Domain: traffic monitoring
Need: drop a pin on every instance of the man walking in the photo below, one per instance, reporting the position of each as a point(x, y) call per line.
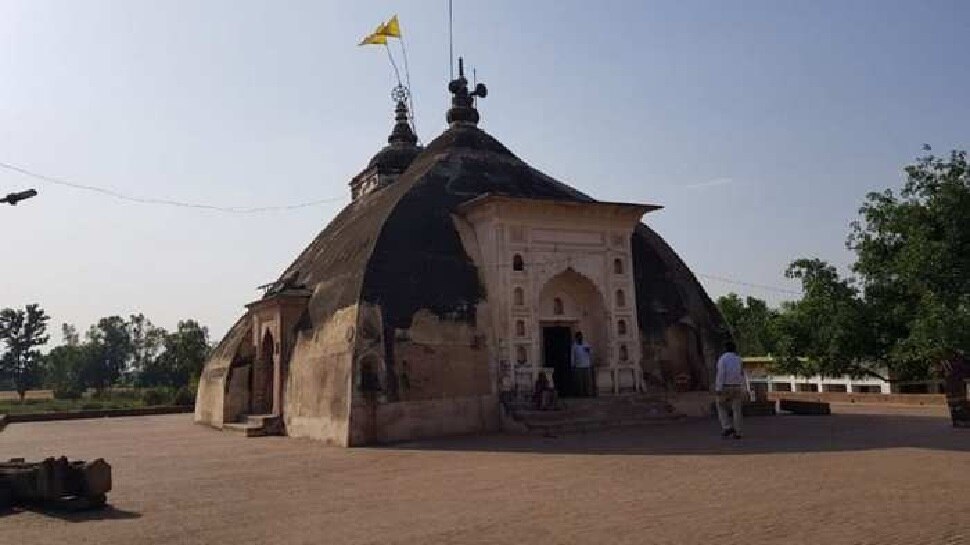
point(731, 387)
point(582, 359)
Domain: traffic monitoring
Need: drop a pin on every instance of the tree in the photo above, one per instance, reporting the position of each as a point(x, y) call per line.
point(146, 342)
point(110, 351)
point(64, 365)
point(751, 322)
point(826, 332)
point(71, 337)
point(185, 351)
point(21, 332)
point(913, 258)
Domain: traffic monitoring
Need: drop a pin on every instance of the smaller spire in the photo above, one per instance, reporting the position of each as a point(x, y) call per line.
point(402, 134)
point(463, 102)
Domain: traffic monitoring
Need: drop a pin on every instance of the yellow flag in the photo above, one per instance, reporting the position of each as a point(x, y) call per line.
point(377, 37)
point(392, 29)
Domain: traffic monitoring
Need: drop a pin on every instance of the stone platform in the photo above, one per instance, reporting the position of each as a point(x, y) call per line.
point(585, 415)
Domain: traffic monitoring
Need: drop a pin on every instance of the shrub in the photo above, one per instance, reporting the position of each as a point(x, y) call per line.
point(119, 394)
point(156, 396)
point(183, 397)
point(67, 391)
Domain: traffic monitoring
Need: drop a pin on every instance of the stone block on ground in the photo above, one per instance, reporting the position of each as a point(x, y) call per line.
point(759, 408)
point(805, 407)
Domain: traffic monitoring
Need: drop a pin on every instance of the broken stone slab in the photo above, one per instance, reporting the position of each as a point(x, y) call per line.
point(805, 407)
point(55, 483)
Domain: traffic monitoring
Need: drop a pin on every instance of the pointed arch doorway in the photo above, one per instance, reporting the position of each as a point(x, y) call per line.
point(569, 302)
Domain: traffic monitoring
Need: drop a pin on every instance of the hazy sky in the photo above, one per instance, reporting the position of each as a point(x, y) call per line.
point(760, 125)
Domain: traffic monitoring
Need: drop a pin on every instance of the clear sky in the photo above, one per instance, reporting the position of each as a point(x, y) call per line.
point(760, 125)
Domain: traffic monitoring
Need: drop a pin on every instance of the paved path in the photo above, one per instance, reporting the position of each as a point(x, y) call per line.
point(890, 476)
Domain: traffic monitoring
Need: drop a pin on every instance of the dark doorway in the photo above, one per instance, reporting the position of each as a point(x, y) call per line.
point(261, 393)
point(556, 343)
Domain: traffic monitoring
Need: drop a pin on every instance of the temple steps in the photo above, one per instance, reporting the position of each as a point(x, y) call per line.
point(586, 415)
point(256, 425)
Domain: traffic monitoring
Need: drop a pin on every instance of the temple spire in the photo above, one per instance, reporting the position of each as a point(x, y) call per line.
point(402, 134)
point(463, 102)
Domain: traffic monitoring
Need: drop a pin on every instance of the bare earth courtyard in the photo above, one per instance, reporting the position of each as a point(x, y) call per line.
point(863, 475)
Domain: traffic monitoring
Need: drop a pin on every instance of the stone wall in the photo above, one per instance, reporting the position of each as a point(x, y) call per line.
point(409, 420)
point(317, 392)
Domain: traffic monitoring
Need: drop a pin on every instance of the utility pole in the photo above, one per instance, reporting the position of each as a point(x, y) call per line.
point(14, 198)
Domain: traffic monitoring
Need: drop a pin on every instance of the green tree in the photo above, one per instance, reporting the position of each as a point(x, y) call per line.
point(146, 342)
point(64, 365)
point(825, 332)
point(181, 361)
point(109, 350)
point(913, 259)
point(22, 332)
point(752, 323)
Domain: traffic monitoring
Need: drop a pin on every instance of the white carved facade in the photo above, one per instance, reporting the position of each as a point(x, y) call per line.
point(562, 264)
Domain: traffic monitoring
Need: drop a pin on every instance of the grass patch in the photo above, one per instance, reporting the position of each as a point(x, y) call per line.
point(31, 406)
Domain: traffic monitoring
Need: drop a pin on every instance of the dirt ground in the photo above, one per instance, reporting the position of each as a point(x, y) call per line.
point(877, 475)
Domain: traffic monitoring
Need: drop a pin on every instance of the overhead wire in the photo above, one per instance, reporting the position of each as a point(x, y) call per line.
point(162, 201)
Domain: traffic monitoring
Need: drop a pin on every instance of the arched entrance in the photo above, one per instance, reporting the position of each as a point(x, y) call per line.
point(570, 302)
point(261, 386)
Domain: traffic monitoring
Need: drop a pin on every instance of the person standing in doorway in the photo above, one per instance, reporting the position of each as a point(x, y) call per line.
point(582, 364)
point(731, 388)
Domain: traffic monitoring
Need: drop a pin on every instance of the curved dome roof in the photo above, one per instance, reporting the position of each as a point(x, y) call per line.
point(398, 247)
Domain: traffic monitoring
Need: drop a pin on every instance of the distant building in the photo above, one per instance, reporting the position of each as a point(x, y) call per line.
point(761, 378)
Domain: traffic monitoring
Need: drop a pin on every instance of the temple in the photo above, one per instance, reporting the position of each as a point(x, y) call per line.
point(434, 299)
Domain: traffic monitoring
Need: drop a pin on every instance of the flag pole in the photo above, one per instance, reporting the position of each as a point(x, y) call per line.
point(451, 42)
point(407, 80)
point(397, 72)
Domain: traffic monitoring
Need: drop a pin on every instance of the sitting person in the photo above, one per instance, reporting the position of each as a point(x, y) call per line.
point(544, 394)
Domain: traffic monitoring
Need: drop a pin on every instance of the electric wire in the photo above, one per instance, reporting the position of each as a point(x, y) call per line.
point(162, 201)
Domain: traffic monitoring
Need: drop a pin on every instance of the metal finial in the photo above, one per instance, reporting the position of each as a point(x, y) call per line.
point(463, 102)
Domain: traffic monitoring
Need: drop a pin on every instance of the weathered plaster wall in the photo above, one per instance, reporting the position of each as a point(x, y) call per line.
point(317, 398)
point(210, 397)
point(415, 378)
point(436, 417)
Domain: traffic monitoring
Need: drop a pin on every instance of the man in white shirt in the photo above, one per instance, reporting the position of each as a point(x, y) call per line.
point(731, 387)
point(582, 362)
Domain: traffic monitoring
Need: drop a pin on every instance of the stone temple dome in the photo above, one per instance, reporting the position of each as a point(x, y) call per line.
point(449, 283)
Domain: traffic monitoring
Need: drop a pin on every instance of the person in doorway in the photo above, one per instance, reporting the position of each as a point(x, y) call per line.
point(956, 372)
point(582, 364)
point(731, 389)
point(545, 394)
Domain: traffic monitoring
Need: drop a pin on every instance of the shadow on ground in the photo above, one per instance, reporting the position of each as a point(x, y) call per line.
point(107, 512)
point(763, 435)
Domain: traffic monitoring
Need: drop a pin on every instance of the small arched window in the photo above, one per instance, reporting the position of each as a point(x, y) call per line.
point(520, 328)
point(620, 298)
point(521, 355)
point(517, 263)
point(557, 307)
point(624, 354)
point(621, 327)
point(617, 266)
point(518, 297)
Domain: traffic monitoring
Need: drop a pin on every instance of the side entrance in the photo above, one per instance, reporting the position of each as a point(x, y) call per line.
point(556, 344)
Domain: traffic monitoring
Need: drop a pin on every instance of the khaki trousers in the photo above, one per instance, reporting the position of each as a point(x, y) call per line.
point(731, 397)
